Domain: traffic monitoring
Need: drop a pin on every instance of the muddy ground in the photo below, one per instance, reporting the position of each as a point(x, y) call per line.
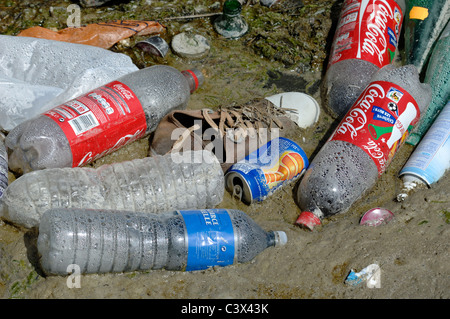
point(285, 50)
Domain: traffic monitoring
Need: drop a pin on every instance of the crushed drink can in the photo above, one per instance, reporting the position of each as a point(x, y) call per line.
point(263, 171)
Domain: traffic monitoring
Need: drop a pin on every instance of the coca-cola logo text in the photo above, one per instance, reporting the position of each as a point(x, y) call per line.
point(375, 38)
point(356, 118)
point(126, 93)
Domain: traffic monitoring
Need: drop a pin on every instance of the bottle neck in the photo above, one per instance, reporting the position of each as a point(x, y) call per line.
point(232, 8)
point(276, 238)
point(194, 78)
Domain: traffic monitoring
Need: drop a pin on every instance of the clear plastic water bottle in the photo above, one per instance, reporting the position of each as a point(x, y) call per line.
point(152, 184)
point(104, 241)
point(3, 167)
point(101, 121)
point(365, 40)
point(363, 144)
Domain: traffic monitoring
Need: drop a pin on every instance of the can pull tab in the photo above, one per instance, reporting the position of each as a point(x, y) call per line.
point(237, 192)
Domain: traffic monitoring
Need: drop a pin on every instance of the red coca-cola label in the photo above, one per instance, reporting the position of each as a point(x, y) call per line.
point(379, 121)
point(100, 121)
point(367, 30)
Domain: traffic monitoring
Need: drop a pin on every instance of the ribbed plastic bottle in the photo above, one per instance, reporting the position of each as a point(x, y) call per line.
point(108, 241)
point(3, 167)
point(363, 144)
point(152, 184)
point(365, 40)
point(101, 121)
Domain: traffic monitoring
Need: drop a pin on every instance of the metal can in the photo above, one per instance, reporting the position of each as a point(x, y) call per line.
point(265, 170)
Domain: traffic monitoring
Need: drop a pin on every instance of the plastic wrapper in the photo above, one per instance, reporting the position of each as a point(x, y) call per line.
point(38, 74)
point(103, 34)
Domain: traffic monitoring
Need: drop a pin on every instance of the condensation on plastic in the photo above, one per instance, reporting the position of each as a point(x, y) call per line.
point(103, 34)
point(345, 80)
point(38, 74)
point(40, 143)
point(103, 241)
point(342, 172)
point(152, 184)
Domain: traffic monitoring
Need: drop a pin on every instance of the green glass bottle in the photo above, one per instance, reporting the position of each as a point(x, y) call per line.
point(231, 24)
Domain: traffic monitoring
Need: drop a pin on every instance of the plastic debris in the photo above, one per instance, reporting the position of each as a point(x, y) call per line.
point(39, 74)
point(103, 34)
point(370, 275)
point(305, 111)
point(424, 22)
point(437, 75)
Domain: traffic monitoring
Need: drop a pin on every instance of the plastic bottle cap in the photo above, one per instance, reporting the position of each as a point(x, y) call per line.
point(308, 220)
point(306, 110)
point(195, 78)
point(280, 238)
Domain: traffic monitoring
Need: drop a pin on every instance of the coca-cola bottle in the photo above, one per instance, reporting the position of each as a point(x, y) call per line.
point(365, 40)
point(363, 144)
point(101, 121)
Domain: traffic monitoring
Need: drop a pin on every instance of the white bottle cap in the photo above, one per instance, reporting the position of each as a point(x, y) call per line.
point(280, 238)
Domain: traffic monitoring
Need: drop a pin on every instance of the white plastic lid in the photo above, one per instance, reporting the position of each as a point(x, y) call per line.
point(307, 110)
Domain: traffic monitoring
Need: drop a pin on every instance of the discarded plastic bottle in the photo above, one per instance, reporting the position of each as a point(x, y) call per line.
point(231, 24)
point(365, 40)
point(431, 159)
point(437, 74)
point(102, 241)
point(361, 148)
point(424, 22)
point(154, 184)
point(39, 74)
point(3, 167)
point(101, 121)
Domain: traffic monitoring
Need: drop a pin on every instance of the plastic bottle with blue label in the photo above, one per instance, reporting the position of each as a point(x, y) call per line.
point(111, 241)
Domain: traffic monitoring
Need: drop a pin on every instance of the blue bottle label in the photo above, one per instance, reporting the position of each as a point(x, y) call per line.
point(210, 238)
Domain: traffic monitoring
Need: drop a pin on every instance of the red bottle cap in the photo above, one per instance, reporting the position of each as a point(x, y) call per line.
point(308, 220)
point(195, 78)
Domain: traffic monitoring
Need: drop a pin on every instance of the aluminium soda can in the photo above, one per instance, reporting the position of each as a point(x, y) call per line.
point(263, 171)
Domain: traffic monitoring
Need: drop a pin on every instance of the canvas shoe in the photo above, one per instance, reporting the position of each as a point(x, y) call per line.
point(231, 133)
